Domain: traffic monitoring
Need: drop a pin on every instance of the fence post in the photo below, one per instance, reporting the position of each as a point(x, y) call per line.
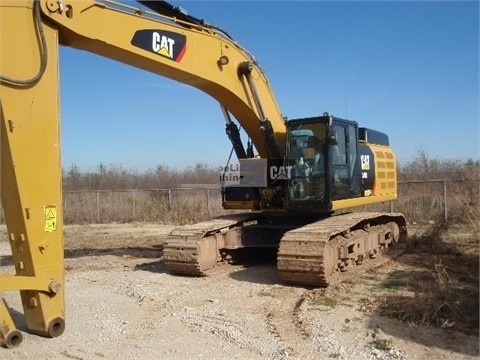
point(133, 204)
point(445, 198)
point(208, 200)
point(98, 206)
point(169, 199)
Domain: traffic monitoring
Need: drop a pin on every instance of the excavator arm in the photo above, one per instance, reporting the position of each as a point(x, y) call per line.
point(168, 44)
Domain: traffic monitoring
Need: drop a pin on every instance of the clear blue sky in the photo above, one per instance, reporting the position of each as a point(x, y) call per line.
point(410, 69)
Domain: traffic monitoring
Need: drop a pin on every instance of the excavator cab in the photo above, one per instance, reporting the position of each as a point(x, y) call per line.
point(322, 155)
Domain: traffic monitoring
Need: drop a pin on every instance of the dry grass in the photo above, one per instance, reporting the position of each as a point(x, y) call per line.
point(421, 203)
point(443, 290)
point(382, 344)
point(174, 206)
point(424, 202)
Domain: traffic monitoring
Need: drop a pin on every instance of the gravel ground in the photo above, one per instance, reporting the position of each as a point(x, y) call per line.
point(121, 303)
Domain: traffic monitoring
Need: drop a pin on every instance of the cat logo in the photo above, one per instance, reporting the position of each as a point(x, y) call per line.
point(280, 172)
point(164, 43)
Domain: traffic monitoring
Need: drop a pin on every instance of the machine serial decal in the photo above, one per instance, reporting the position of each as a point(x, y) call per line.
point(365, 160)
point(164, 43)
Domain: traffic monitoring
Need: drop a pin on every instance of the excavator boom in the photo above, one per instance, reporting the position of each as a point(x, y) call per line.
point(173, 47)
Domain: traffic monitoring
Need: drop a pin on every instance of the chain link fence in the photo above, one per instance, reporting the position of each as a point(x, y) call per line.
point(170, 206)
point(426, 201)
point(421, 201)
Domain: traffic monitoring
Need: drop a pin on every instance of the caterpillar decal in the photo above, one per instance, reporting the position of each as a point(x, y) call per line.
point(368, 169)
point(168, 44)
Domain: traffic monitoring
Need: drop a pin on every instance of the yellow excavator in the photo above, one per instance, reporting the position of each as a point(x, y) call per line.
point(292, 187)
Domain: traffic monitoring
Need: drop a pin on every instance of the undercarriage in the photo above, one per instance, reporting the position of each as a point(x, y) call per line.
point(309, 253)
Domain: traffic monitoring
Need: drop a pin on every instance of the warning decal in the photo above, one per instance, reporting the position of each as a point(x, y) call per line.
point(50, 218)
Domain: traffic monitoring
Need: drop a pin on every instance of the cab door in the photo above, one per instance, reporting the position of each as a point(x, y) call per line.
point(345, 177)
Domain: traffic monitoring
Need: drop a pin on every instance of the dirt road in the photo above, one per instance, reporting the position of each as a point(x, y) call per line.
point(122, 304)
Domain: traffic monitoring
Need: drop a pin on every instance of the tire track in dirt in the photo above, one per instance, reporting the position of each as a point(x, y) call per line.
point(283, 317)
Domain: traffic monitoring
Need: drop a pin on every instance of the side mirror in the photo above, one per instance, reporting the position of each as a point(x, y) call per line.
point(332, 138)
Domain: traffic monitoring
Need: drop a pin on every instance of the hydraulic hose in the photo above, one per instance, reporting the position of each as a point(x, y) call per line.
point(43, 54)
